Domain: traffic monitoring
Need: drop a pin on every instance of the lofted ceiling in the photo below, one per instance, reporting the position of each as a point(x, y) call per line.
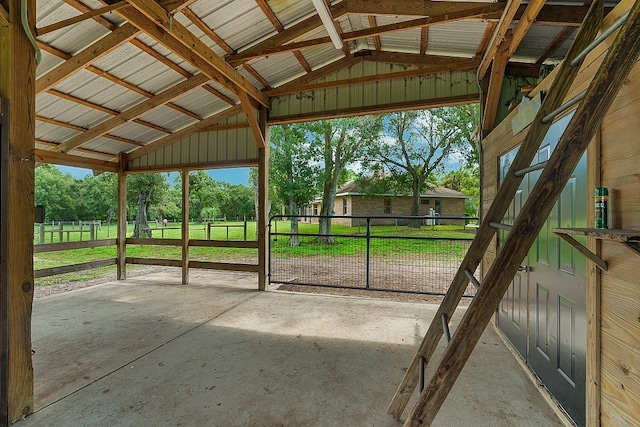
point(126, 76)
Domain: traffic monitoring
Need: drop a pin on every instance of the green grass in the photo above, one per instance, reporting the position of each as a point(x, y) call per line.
point(343, 246)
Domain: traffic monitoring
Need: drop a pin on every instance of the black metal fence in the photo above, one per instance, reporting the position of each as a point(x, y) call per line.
point(391, 257)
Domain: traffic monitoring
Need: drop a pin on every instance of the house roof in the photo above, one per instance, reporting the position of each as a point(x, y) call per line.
point(138, 73)
point(352, 188)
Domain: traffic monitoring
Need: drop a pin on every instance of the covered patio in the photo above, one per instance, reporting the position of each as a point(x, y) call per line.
point(149, 351)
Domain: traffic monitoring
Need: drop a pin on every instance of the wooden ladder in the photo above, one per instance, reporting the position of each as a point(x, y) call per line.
point(595, 102)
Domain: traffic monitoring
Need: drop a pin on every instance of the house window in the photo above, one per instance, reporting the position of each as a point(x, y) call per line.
point(424, 201)
point(387, 205)
point(345, 207)
point(315, 209)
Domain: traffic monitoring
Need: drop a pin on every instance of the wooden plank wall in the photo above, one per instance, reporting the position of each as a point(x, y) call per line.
point(614, 369)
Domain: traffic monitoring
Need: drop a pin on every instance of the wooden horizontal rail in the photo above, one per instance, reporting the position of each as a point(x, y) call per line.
point(56, 247)
point(224, 243)
point(156, 242)
point(155, 261)
point(45, 272)
point(230, 266)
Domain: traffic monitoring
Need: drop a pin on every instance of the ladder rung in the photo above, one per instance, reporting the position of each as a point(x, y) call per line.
point(606, 33)
point(445, 328)
point(472, 279)
point(501, 226)
point(523, 172)
point(564, 107)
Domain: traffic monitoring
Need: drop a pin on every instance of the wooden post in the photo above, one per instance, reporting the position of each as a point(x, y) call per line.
point(185, 227)
point(17, 78)
point(41, 237)
point(263, 203)
point(92, 231)
point(60, 233)
point(122, 218)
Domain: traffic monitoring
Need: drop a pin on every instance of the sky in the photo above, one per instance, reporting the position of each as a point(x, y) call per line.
point(233, 176)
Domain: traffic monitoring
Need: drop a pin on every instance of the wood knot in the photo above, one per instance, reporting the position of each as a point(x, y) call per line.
point(26, 287)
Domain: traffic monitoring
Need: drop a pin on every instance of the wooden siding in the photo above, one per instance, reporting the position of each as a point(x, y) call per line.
point(358, 97)
point(230, 147)
point(617, 374)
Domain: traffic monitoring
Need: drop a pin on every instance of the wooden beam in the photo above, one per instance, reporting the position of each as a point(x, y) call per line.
point(133, 112)
point(376, 109)
point(486, 36)
point(424, 40)
point(526, 21)
point(122, 218)
point(409, 58)
point(92, 53)
point(78, 5)
point(17, 78)
point(4, 258)
point(262, 222)
point(205, 165)
point(219, 94)
point(225, 266)
point(376, 39)
point(76, 19)
point(321, 72)
point(495, 83)
point(185, 226)
point(154, 261)
point(158, 24)
point(457, 64)
point(72, 268)
point(46, 156)
point(272, 49)
point(498, 36)
point(406, 7)
point(257, 76)
point(52, 50)
point(252, 120)
point(153, 146)
point(106, 156)
point(57, 247)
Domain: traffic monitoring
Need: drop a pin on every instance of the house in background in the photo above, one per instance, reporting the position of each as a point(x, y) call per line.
point(351, 201)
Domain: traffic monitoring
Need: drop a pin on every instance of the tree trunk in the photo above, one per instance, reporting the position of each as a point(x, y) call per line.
point(141, 226)
point(293, 211)
point(415, 205)
point(328, 201)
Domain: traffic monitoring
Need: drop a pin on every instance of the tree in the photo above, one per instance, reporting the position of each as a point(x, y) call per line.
point(144, 190)
point(340, 142)
point(202, 194)
point(466, 180)
point(55, 191)
point(235, 201)
point(417, 146)
point(97, 197)
point(292, 171)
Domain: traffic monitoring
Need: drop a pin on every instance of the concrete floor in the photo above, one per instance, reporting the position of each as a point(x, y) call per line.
point(150, 352)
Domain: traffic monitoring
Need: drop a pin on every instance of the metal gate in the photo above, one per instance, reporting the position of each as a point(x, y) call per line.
point(369, 255)
point(544, 311)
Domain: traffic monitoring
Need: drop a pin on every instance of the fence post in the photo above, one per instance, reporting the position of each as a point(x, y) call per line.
point(368, 252)
point(209, 230)
point(60, 226)
point(245, 228)
point(41, 237)
point(92, 231)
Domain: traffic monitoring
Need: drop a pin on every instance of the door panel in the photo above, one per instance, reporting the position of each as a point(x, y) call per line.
point(543, 313)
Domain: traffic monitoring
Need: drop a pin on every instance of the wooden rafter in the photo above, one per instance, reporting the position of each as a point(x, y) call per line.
point(207, 30)
point(526, 21)
point(256, 75)
point(133, 112)
point(271, 49)
point(85, 9)
point(279, 28)
point(486, 36)
point(286, 36)
point(322, 72)
point(408, 58)
point(83, 129)
point(52, 50)
point(457, 64)
point(376, 39)
point(76, 19)
point(158, 24)
point(498, 36)
point(219, 94)
point(4, 17)
point(88, 152)
point(424, 40)
point(204, 124)
point(103, 109)
point(92, 53)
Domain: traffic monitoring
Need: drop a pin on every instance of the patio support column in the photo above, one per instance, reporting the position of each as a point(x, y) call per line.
point(185, 227)
point(262, 222)
point(122, 217)
point(17, 78)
